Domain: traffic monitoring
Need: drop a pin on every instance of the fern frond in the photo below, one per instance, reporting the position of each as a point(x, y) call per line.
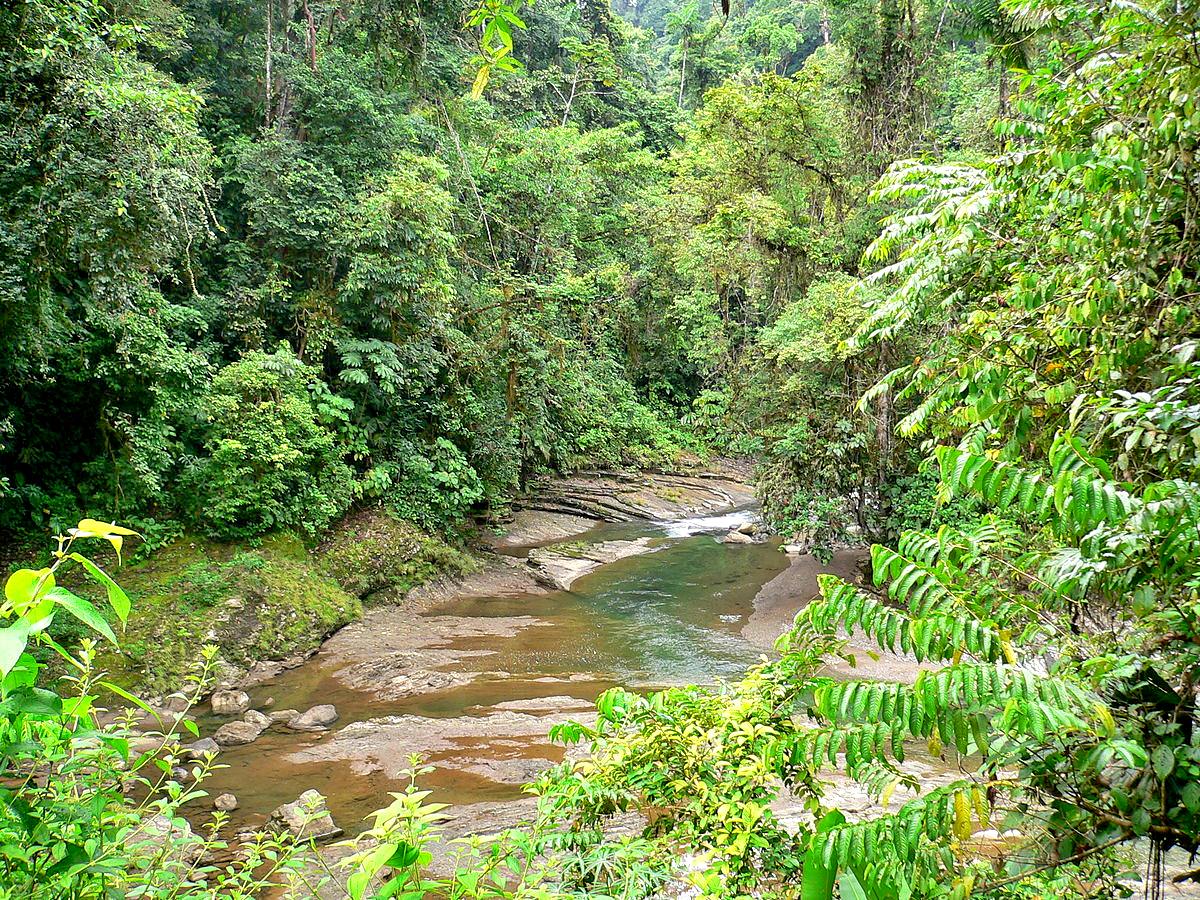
point(934, 636)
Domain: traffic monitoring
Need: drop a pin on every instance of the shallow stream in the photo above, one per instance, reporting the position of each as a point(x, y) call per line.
point(672, 615)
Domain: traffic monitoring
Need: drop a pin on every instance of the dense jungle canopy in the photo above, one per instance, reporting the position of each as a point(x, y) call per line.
point(929, 264)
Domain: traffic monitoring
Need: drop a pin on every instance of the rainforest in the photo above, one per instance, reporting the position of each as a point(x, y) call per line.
point(599, 449)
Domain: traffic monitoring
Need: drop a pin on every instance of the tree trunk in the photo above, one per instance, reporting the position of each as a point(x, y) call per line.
point(683, 72)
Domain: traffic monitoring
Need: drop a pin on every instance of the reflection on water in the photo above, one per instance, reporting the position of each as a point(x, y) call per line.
point(670, 616)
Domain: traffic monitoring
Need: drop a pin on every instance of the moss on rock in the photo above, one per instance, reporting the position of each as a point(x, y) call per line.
point(268, 602)
point(373, 551)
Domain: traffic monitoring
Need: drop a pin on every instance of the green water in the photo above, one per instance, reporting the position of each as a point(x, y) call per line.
point(673, 615)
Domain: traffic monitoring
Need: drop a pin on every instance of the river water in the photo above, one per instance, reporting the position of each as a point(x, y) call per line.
point(672, 615)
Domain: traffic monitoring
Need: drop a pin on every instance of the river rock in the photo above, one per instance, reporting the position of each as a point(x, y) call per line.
point(230, 703)
point(282, 715)
point(254, 717)
point(201, 748)
point(308, 816)
point(144, 743)
point(737, 537)
point(226, 802)
point(563, 565)
point(318, 718)
point(156, 833)
point(232, 734)
point(175, 704)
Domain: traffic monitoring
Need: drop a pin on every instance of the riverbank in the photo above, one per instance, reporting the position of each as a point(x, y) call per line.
point(472, 671)
point(784, 596)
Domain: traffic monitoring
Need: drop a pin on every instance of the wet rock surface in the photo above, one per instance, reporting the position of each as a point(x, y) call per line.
point(230, 703)
point(225, 802)
point(234, 734)
point(318, 718)
point(561, 566)
point(308, 816)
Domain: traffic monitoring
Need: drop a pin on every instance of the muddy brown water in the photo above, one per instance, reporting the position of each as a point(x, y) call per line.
point(673, 615)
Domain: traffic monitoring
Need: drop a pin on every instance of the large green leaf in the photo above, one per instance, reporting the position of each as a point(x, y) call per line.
point(117, 598)
point(12, 644)
point(817, 880)
point(83, 611)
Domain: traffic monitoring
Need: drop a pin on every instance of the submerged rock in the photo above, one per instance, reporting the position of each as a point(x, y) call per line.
point(316, 719)
point(308, 816)
point(230, 703)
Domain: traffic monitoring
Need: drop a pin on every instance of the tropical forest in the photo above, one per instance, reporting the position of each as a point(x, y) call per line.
point(599, 449)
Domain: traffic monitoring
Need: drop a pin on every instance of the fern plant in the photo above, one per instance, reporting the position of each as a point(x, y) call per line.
point(1084, 739)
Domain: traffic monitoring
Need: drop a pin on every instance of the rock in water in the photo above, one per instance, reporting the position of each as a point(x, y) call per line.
point(175, 703)
point(737, 537)
point(226, 802)
point(230, 703)
point(254, 717)
point(157, 836)
point(283, 715)
point(316, 719)
point(307, 817)
point(201, 748)
point(234, 733)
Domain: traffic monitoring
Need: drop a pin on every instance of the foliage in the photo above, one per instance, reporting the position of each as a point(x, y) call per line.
point(275, 460)
point(67, 824)
point(375, 552)
point(267, 603)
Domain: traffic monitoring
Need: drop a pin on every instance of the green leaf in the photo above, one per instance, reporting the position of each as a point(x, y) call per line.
point(83, 611)
point(818, 878)
point(850, 888)
point(1163, 760)
point(1191, 796)
point(121, 692)
point(117, 598)
point(24, 586)
point(12, 644)
point(403, 856)
point(32, 701)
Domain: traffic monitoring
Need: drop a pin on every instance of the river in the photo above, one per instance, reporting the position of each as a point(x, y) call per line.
point(516, 663)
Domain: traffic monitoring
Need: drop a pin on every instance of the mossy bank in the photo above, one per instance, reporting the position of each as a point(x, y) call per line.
point(272, 599)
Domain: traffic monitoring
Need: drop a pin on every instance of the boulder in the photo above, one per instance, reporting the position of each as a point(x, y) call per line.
point(750, 528)
point(144, 743)
point(175, 703)
point(737, 537)
point(230, 703)
point(254, 717)
point(226, 802)
point(308, 816)
point(232, 734)
point(316, 719)
point(201, 748)
point(282, 715)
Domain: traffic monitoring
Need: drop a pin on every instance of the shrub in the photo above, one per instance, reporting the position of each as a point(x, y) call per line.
point(274, 459)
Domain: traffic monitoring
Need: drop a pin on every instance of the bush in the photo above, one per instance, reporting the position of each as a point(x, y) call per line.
point(275, 461)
